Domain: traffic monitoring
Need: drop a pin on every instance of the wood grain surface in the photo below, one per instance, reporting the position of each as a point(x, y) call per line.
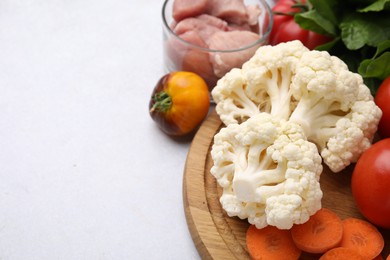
point(218, 236)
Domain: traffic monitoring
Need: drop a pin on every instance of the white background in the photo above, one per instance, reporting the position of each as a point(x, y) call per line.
point(84, 171)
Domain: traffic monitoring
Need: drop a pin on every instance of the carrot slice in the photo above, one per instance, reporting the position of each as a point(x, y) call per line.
point(323, 231)
point(341, 253)
point(270, 243)
point(363, 237)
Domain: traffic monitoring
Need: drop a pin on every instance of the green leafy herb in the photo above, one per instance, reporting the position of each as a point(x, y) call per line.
point(377, 6)
point(358, 29)
point(313, 21)
point(379, 65)
point(361, 31)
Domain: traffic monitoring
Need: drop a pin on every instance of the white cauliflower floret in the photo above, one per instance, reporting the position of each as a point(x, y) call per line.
point(311, 88)
point(332, 110)
point(268, 171)
point(242, 93)
point(232, 99)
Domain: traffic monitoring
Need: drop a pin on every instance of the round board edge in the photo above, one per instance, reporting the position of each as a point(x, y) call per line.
point(202, 228)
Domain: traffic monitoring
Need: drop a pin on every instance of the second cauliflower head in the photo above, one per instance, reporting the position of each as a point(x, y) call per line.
point(269, 172)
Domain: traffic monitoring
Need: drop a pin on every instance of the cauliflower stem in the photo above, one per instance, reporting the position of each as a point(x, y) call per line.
point(254, 170)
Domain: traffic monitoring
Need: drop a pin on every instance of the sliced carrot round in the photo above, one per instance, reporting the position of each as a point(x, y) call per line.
point(339, 253)
point(363, 237)
point(323, 231)
point(270, 243)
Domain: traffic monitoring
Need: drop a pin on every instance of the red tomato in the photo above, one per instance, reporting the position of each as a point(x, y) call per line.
point(382, 100)
point(286, 29)
point(371, 181)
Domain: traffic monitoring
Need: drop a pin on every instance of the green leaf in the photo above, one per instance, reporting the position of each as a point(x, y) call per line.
point(383, 46)
point(329, 9)
point(359, 29)
point(377, 6)
point(376, 68)
point(313, 21)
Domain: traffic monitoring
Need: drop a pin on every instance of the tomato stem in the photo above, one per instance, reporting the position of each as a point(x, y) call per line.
point(163, 102)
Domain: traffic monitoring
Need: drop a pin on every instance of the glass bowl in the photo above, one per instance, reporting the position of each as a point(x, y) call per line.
point(210, 40)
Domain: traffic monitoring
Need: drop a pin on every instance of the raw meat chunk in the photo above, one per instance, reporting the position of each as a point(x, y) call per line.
point(215, 25)
point(253, 12)
point(205, 25)
point(188, 8)
point(198, 60)
point(194, 38)
point(213, 21)
point(223, 62)
point(188, 58)
point(243, 27)
point(232, 11)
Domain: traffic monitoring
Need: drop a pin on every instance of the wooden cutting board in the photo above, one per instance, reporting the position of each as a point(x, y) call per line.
point(218, 236)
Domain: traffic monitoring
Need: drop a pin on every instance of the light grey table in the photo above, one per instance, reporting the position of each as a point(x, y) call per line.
point(84, 172)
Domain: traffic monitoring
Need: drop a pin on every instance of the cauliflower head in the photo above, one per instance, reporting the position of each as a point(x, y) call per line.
point(311, 88)
point(268, 171)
